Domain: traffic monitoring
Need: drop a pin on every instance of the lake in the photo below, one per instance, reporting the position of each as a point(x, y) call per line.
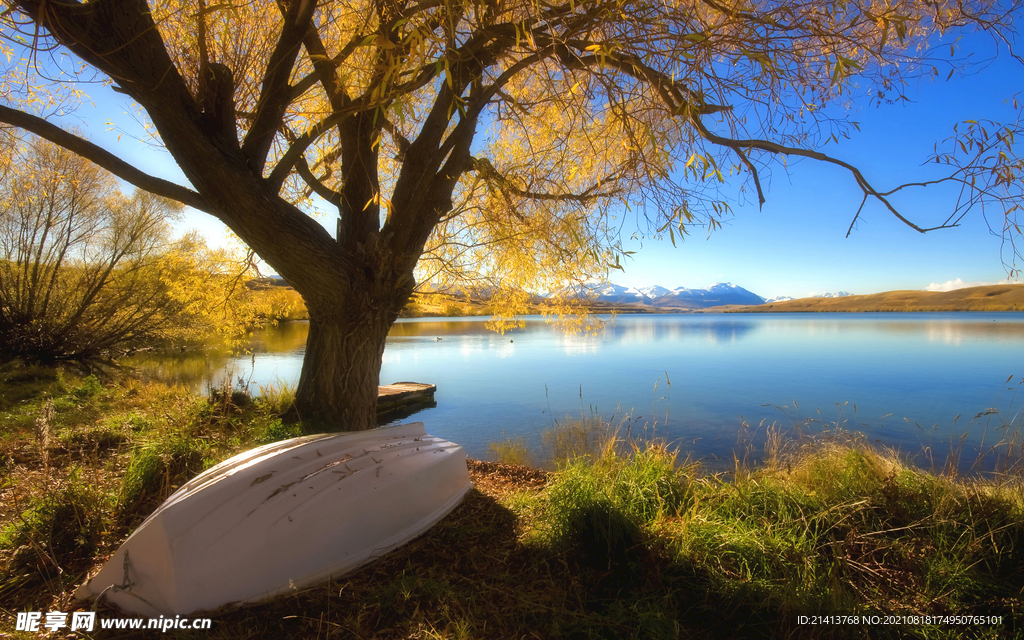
point(914, 381)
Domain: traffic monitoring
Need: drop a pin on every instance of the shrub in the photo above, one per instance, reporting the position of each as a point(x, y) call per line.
point(90, 388)
point(86, 271)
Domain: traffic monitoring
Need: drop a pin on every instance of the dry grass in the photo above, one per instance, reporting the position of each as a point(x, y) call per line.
point(622, 542)
point(1001, 297)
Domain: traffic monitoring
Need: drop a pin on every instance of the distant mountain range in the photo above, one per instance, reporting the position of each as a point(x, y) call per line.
point(1003, 297)
point(841, 294)
point(716, 295)
point(654, 296)
point(680, 298)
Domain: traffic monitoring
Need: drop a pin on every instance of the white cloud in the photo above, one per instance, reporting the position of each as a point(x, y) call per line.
point(956, 284)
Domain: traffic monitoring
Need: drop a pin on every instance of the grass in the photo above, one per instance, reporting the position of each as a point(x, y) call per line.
point(58, 533)
point(566, 440)
point(82, 461)
point(157, 467)
point(620, 540)
point(1000, 297)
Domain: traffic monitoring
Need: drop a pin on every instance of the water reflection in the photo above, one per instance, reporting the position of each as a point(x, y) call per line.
point(286, 337)
point(577, 345)
point(189, 369)
point(905, 377)
point(427, 327)
point(672, 328)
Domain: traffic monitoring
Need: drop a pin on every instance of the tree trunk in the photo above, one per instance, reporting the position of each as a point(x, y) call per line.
point(354, 285)
point(340, 374)
point(337, 389)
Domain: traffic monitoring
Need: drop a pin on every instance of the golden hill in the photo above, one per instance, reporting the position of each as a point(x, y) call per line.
point(999, 297)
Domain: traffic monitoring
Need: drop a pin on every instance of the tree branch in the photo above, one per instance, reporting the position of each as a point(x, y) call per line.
point(318, 187)
point(324, 68)
point(778, 149)
point(489, 173)
point(104, 158)
point(275, 94)
point(321, 66)
point(287, 162)
point(400, 140)
point(682, 100)
point(119, 38)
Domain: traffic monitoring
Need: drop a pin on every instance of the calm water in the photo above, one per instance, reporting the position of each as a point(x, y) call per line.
point(901, 379)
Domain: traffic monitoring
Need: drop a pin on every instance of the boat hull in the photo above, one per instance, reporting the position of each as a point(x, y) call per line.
point(284, 516)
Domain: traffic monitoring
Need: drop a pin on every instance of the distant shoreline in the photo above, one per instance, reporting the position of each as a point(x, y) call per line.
point(999, 297)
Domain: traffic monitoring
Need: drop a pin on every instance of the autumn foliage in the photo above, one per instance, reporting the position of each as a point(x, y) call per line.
point(87, 271)
point(489, 142)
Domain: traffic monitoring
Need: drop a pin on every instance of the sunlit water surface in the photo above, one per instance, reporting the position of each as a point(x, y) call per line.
point(914, 381)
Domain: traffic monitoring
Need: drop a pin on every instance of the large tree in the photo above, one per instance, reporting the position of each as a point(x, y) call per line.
point(491, 137)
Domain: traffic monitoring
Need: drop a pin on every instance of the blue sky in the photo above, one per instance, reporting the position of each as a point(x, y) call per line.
point(796, 244)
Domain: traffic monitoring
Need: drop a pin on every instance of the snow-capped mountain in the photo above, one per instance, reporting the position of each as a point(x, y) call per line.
point(681, 297)
point(617, 294)
point(654, 291)
point(718, 294)
point(779, 299)
point(839, 294)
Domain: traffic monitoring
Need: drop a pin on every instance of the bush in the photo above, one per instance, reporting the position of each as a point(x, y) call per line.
point(90, 388)
point(86, 271)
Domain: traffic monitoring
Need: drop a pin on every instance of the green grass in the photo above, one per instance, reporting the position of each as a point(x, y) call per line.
point(56, 536)
point(828, 526)
point(276, 398)
point(84, 459)
point(566, 440)
point(158, 467)
point(620, 540)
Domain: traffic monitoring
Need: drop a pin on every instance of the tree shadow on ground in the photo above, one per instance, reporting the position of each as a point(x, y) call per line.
point(470, 576)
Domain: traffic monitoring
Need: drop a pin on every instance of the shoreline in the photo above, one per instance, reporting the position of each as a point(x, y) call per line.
point(615, 543)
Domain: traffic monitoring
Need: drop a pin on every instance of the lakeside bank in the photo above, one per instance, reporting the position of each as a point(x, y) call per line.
point(623, 541)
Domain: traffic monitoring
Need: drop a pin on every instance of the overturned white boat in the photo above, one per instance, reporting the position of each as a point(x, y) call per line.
point(283, 516)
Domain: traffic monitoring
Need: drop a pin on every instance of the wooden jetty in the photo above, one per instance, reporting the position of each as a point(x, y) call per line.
point(401, 399)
